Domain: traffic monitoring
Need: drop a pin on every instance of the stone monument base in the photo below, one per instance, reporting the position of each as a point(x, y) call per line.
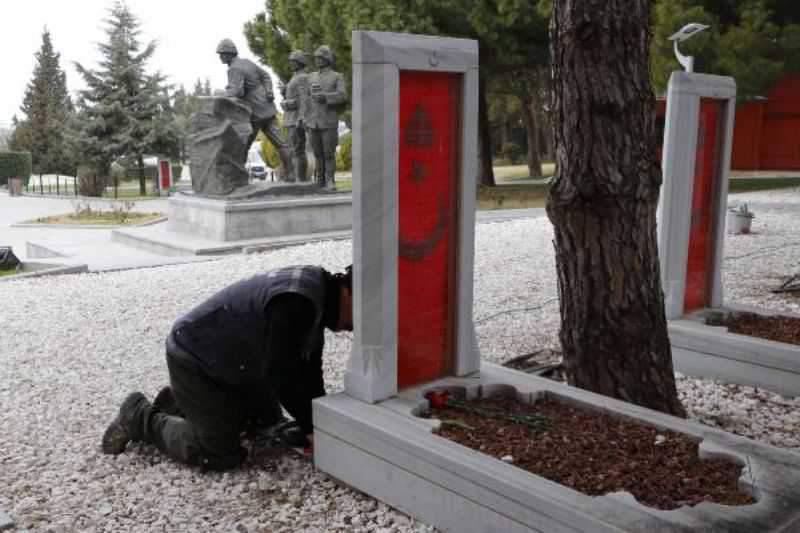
point(227, 220)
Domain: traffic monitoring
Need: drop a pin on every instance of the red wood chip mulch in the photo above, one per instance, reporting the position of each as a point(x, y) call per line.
point(775, 328)
point(595, 453)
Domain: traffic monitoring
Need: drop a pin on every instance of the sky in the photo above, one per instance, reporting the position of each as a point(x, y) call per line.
point(186, 33)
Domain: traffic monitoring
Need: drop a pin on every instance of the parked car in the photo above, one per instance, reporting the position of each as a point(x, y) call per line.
point(256, 170)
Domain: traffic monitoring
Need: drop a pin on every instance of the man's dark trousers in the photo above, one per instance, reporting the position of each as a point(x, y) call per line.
point(214, 416)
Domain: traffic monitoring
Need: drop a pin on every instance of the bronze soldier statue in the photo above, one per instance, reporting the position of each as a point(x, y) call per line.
point(249, 82)
point(295, 106)
point(328, 95)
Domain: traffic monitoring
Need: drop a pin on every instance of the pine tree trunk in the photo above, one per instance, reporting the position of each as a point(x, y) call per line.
point(485, 138)
point(603, 204)
point(142, 182)
point(532, 130)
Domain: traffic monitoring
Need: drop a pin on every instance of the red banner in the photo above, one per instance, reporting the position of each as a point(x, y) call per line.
point(428, 174)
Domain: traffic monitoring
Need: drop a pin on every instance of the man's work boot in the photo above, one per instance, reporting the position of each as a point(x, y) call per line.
point(165, 402)
point(129, 425)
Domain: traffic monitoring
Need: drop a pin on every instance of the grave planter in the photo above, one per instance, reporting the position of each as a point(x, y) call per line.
point(712, 351)
point(384, 449)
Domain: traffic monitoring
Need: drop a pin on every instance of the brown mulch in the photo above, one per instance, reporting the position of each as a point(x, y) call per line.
point(596, 454)
point(775, 328)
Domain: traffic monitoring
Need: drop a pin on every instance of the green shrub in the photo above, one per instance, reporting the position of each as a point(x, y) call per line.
point(269, 154)
point(344, 156)
point(15, 165)
point(512, 152)
point(177, 170)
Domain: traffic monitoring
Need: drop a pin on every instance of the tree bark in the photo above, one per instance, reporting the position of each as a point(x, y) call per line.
point(142, 183)
point(485, 137)
point(603, 204)
point(529, 104)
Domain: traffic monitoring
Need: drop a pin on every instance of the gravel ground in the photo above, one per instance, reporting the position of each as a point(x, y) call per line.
point(71, 347)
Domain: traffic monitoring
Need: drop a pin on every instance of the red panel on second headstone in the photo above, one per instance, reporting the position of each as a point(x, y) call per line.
point(429, 134)
point(701, 236)
point(165, 175)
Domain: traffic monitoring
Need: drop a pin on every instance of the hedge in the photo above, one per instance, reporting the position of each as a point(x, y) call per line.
point(15, 165)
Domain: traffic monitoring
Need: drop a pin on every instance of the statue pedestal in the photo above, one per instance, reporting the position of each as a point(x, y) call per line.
point(210, 226)
point(235, 220)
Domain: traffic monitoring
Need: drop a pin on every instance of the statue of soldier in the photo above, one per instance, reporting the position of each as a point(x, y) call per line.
point(328, 94)
point(295, 107)
point(249, 82)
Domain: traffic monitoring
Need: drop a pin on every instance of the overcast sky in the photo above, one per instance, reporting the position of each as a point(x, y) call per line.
point(187, 33)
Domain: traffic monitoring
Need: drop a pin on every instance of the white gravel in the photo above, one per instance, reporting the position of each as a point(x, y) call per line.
point(71, 347)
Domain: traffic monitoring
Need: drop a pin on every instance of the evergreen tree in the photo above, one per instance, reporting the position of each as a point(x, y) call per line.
point(124, 112)
point(47, 107)
point(512, 36)
point(755, 41)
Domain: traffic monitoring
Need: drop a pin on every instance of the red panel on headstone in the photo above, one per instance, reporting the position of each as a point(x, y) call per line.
point(165, 173)
point(701, 237)
point(429, 135)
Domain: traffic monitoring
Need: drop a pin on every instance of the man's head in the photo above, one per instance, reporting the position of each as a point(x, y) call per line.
point(323, 56)
point(297, 60)
point(227, 51)
point(344, 282)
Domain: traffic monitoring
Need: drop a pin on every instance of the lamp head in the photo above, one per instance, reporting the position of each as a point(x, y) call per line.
point(688, 31)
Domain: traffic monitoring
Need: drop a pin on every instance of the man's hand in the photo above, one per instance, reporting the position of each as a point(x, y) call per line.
point(320, 97)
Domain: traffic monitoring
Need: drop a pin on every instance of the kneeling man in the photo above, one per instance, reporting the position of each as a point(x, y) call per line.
point(233, 361)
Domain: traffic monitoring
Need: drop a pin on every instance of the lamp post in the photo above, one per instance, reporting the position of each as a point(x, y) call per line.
point(685, 33)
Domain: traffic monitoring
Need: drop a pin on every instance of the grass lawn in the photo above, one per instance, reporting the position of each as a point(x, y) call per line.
point(98, 218)
point(761, 184)
point(7, 272)
point(129, 194)
point(526, 195)
point(520, 172)
point(512, 196)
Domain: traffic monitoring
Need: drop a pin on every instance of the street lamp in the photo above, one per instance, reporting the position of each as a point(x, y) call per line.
point(685, 33)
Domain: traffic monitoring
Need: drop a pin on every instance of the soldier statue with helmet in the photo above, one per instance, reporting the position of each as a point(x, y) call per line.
point(295, 106)
point(252, 84)
point(328, 96)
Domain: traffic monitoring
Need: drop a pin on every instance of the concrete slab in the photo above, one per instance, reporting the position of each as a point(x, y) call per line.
point(158, 239)
point(39, 269)
point(714, 352)
point(384, 450)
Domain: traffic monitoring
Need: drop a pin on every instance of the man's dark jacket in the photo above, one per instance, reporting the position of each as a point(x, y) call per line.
point(227, 334)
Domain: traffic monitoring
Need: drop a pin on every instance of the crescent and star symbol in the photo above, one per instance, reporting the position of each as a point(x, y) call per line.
point(420, 133)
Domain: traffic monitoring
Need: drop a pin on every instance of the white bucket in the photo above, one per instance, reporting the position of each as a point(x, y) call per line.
point(739, 223)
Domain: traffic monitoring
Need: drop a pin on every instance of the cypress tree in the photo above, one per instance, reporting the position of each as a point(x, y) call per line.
point(47, 107)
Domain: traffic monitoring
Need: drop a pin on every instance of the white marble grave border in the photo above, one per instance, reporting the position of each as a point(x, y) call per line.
point(378, 59)
point(386, 451)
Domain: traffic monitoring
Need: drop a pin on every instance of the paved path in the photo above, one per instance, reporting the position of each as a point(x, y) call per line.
point(94, 247)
